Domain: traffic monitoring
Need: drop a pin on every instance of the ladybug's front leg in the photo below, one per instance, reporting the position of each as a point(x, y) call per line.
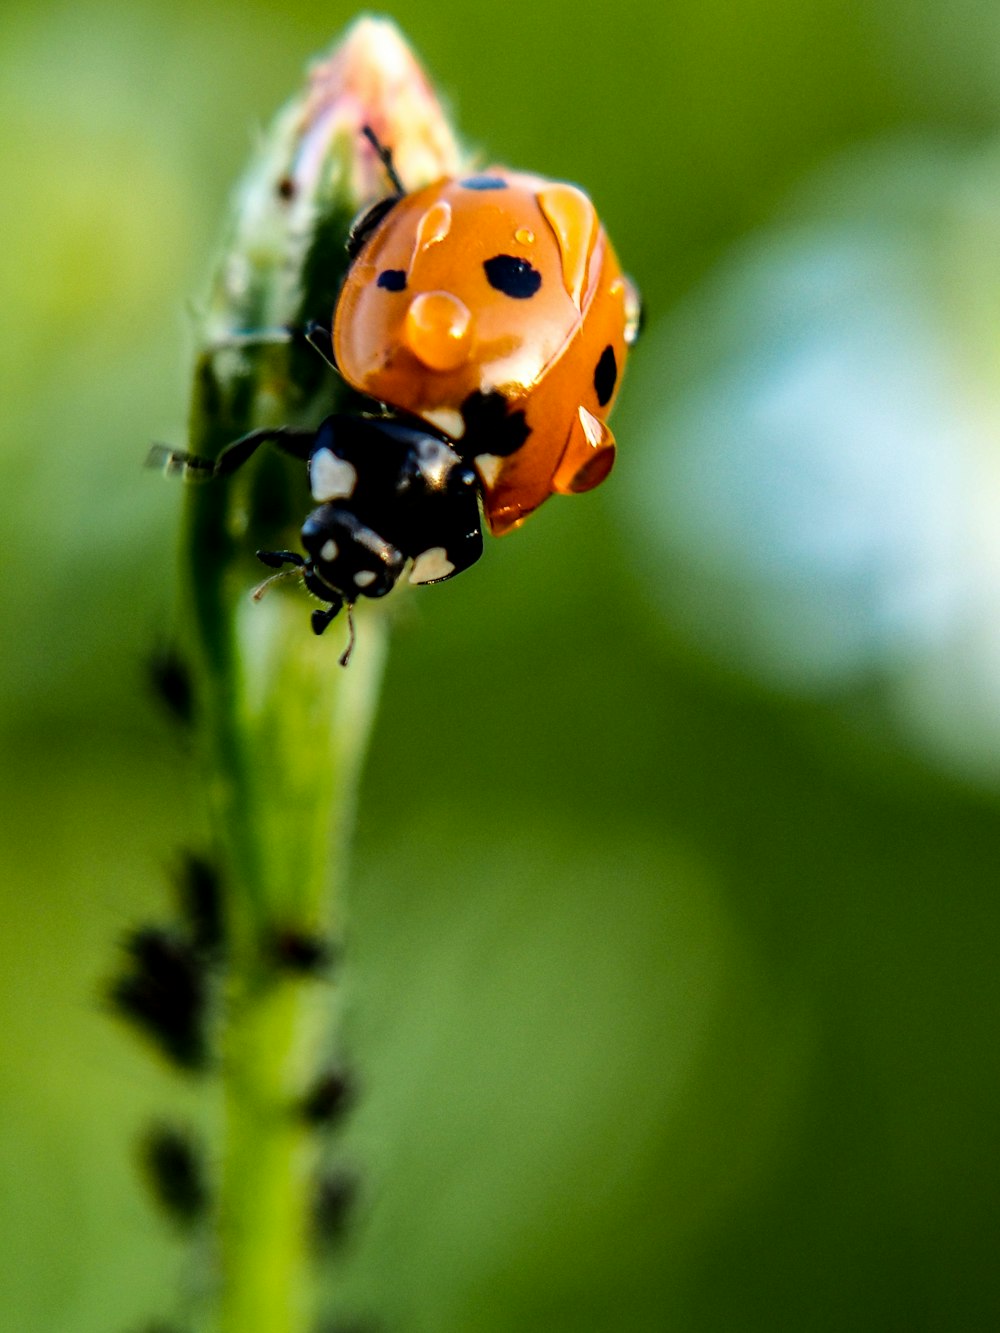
point(297, 443)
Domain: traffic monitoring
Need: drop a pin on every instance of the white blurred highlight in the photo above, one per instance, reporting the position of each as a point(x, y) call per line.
point(824, 483)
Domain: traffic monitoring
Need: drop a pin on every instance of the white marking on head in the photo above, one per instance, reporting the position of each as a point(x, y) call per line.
point(329, 550)
point(447, 420)
point(364, 578)
point(431, 565)
point(331, 478)
point(488, 466)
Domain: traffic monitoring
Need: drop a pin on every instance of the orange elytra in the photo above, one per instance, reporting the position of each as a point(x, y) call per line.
point(501, 289)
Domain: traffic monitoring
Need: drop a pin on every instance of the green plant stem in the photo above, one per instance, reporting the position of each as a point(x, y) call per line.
point(267, 1167)
point(283, 728)
point(276, 1025)
point(288, 736)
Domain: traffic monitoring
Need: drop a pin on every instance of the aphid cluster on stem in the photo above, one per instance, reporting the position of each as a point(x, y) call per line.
point(170, 1162)
point(301, 952)
point(168, 989)
point(333, 1203)
point(164, 988)
point(487, 321)
point(330, 1096)
point(171, 683)
point(163, 991)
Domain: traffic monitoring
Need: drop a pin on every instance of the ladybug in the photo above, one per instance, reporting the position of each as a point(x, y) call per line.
point(488, 320)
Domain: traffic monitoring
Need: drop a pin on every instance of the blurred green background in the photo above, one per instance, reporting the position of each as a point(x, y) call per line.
point(674, 923)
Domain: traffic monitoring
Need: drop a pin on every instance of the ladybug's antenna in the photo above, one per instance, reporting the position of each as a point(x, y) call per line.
point(276, 559)
point(385, 157)
point(345, 656)
point(320, 339)
point(261, 588)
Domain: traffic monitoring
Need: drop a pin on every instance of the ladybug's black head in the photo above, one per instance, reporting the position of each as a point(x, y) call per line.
point(349, 557)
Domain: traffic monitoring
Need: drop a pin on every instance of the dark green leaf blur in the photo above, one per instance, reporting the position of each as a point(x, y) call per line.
point(672, 969)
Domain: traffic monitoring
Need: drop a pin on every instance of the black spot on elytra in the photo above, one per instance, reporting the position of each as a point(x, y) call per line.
point(606, 376)
point(512, 276)
point(171, 1166)
point(490, 426)
point(483, 183)
point(392, 279)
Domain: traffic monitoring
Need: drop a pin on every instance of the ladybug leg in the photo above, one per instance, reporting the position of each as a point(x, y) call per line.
point(176, 460)
point(250, 338)
point(298, 443)
point(322, 617)
point(276, 559)
point(320, 621)
point(320, 339)
point(315, 334)
point(363, 225)
point(385, 156)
